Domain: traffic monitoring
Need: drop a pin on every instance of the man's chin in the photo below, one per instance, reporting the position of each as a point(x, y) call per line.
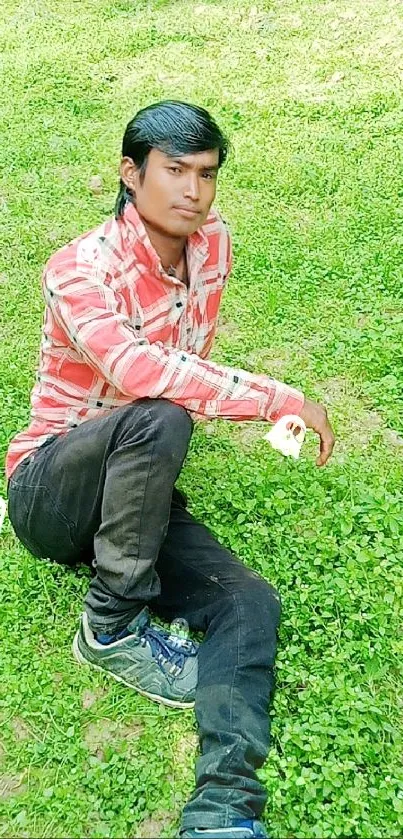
point(175, 228)
point(184, 227)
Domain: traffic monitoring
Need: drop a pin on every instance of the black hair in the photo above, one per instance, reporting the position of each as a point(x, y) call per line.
point(174, 128)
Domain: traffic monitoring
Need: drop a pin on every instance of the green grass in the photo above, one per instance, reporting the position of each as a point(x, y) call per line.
point(310, 93)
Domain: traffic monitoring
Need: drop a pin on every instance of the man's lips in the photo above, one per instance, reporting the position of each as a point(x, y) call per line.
point(188, 212)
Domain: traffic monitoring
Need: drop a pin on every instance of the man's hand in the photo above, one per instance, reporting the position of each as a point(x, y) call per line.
point(315, 417)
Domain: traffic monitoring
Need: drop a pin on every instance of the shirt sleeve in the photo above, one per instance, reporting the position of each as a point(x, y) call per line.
point(208, 344)
point(91, 314)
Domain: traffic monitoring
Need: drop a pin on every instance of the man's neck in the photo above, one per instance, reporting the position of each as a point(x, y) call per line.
point(169, 250)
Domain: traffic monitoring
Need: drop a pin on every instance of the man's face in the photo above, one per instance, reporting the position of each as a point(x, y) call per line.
point(177, 192)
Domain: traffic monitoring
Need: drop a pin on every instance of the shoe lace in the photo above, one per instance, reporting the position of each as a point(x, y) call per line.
point(169, 651)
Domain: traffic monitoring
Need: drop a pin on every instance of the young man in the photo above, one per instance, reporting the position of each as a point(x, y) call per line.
point(131, 312)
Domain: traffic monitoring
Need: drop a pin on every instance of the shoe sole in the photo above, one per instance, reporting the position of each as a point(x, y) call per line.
point(172, 703)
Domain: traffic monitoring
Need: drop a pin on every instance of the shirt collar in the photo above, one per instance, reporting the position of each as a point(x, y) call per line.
point(137, 238)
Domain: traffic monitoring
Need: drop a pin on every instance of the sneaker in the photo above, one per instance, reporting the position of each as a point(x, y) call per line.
point(156, 663)
point(239, 829)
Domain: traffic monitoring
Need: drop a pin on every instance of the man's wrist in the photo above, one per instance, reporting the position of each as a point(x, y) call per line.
point(290, 401)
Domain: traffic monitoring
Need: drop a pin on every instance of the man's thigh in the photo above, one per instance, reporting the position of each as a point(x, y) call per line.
point(56, 489)
point(197, 573)
point(56, 496)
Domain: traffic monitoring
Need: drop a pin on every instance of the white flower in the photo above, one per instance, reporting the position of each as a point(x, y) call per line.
point(287, 435)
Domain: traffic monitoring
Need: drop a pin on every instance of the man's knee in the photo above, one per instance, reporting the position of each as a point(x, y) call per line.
point(252, 613)
point(260, 601)
point(163, 419)
point(169, 416)
point(172, 429)
point(167, 425)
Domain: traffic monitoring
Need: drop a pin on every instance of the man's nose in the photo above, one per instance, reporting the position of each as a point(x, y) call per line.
point(192, 187)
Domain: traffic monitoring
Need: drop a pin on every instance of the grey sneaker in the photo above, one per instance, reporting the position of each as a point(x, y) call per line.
point(153, 661)
point(239, 829)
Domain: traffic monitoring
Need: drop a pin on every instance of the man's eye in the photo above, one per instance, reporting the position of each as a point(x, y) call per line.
point(174, 169)
point(208, 176)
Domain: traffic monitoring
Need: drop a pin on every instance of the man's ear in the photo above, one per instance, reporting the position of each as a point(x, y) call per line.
point(129, 174)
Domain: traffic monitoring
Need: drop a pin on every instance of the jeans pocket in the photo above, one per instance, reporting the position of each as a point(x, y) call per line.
point(18, 515)
point(39, 525)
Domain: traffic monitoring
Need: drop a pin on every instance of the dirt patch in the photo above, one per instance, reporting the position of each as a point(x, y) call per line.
point(210, 428)
point(348, 14)
point(392, 438)
point(249, 433)
point(268, 361)
point(186, 748)
point(131, 731)
point(89, 697)
point(334, 391)
point(20, 729)
point(337, 77)
point(98, 734)
point(11, 785)
point(227, 329)
point(95, 185)
point(153, 827)
point(355, 425)
point(65, 173)
point(104, 732)
point(53, 235)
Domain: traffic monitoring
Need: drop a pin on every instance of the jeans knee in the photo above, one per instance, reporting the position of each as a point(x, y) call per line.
point(173, 428)
point(171, 418)
point(261, 603)
point(273, 596)
point(162, 424)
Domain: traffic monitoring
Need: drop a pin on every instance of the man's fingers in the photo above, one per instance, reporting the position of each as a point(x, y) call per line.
point(326, 447)
point(315, 417)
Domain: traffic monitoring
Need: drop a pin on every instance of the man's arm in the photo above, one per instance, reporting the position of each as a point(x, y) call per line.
point(91, 314)
point(313, 414)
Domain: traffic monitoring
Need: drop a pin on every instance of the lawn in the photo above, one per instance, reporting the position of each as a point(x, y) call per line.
point(311, 95)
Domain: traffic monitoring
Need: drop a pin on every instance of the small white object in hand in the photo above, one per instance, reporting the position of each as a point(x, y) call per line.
point(287, 435)
point(3, 510)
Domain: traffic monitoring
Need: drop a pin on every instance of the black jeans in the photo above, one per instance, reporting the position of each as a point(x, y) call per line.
point(106, 489)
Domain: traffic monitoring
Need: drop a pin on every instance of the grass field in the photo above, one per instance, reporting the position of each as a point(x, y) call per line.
point(311, 95)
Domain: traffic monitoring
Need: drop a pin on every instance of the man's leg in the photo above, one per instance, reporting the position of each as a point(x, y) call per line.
point(239, 612)
point(105, 486)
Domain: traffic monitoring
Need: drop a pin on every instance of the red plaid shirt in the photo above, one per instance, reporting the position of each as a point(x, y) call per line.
point(118, 328)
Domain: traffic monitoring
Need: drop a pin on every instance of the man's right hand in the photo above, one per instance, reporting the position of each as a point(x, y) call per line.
point(315, 417)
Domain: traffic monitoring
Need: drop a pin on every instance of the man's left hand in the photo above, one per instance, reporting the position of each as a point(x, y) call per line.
point(315, 417)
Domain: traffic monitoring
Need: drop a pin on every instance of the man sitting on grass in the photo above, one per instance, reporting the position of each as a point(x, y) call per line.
point(131, 312)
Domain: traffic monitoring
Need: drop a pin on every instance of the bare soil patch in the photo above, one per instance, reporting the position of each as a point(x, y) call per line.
point(153, 827)
point(356, 426)
point(89, 697)
point(21, 729)
point(11, 785)
point(104, 732)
